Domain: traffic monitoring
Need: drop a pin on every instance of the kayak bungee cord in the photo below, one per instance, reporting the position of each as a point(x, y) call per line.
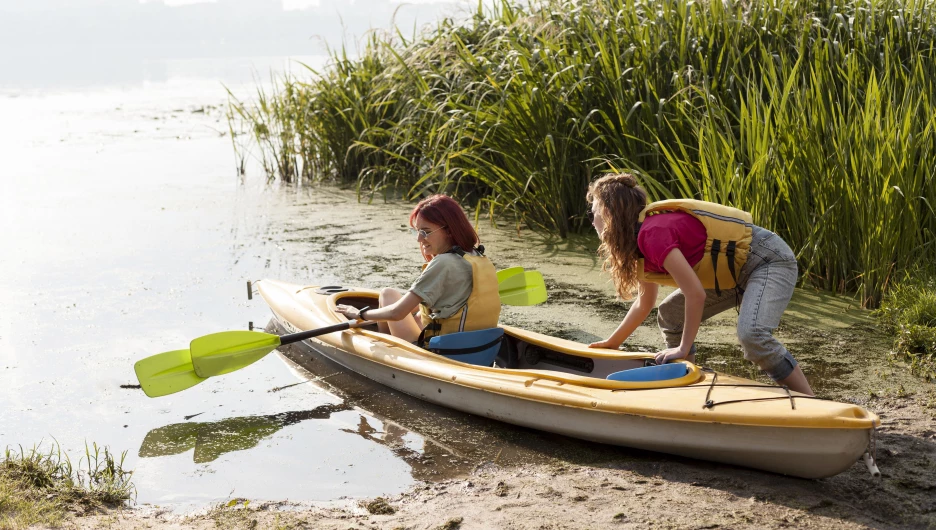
point(709, 404)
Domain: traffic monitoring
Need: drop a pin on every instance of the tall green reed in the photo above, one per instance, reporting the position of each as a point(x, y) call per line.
point(816, 116)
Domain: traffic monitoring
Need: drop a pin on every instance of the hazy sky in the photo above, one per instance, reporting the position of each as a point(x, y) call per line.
point(287, 4)
point(53, 29)
point(69, 42)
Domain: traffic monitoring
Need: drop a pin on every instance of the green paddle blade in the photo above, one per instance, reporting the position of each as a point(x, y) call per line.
point(527, 288)
point(221, 353)
point(166, 373)
point(507, 273)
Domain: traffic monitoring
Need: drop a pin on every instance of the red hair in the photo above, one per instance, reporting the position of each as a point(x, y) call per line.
point(442, 210)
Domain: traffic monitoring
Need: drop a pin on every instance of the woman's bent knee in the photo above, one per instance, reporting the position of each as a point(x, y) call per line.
point(389, 295)
point(754, 339)
point(670, 314)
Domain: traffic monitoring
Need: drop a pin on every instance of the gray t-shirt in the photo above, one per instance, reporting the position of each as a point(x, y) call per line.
point(444, 285)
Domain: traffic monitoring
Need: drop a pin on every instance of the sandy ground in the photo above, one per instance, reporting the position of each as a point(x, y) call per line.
point(581, 485)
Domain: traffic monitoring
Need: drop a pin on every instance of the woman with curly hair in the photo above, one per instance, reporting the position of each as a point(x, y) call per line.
point(716, 258)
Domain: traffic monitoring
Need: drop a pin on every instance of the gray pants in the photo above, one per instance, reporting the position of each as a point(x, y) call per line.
point(767, 280)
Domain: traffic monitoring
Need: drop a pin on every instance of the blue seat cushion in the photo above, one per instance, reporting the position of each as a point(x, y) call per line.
point(660, 372)
point(473, 347)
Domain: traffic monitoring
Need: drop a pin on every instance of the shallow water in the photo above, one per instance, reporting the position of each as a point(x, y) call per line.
point(126, 232)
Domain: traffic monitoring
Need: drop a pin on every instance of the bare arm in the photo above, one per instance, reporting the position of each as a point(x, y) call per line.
point(395, 311)
point(636, 314)
point(687, 281)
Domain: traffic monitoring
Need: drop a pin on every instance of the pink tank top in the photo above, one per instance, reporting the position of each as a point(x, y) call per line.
point(662, 232)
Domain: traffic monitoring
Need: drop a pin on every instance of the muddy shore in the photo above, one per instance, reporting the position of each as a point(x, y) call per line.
point(575, 484)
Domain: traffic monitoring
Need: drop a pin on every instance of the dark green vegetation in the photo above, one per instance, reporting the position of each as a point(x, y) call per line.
point(379, 506)
point(909, 312)
point(816, 116)
point(40, 487)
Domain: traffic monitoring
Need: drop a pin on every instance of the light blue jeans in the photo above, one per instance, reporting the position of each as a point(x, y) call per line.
point(767, 280)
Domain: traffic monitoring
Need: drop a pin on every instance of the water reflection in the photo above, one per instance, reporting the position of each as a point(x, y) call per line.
point(428, 459)
point(210, 440)
point(213, 439)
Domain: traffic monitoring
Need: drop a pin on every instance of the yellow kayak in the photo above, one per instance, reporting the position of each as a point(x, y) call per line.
point(561, 386)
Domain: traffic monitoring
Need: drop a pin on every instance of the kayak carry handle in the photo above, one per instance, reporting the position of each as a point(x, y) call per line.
point(872, 467)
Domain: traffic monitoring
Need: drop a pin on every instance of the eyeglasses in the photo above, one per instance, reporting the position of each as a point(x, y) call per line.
point(422, 233)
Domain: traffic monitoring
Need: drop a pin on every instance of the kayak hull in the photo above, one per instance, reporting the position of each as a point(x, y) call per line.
point(677, 424)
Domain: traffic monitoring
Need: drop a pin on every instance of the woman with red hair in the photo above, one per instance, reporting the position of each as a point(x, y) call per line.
point(457, 290)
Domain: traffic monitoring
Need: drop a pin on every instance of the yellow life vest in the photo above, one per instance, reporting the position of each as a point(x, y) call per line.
point(727, 242)
point(481, 311)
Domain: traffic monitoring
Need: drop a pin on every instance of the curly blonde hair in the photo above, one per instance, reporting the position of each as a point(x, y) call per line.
point(621, 201)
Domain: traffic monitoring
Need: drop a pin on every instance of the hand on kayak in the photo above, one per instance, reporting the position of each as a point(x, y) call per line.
point(605, 344)
point(351, 312)
point(669, 355)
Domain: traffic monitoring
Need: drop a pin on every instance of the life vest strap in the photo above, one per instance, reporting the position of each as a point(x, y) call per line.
point(730, 253)
point(636, 233)
point(739, 291)
point(432, 326)
point(716, 248)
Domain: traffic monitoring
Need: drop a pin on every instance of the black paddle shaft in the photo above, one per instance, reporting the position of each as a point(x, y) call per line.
point(303, 335)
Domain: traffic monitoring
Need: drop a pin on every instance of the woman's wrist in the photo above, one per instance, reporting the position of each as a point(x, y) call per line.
point(361, 313)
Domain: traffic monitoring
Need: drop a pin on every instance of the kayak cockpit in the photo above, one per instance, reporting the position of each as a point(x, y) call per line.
point(528, 351)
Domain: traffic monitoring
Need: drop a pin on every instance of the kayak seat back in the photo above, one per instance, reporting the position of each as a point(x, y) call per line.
point(473, 347)
point(660, 372)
